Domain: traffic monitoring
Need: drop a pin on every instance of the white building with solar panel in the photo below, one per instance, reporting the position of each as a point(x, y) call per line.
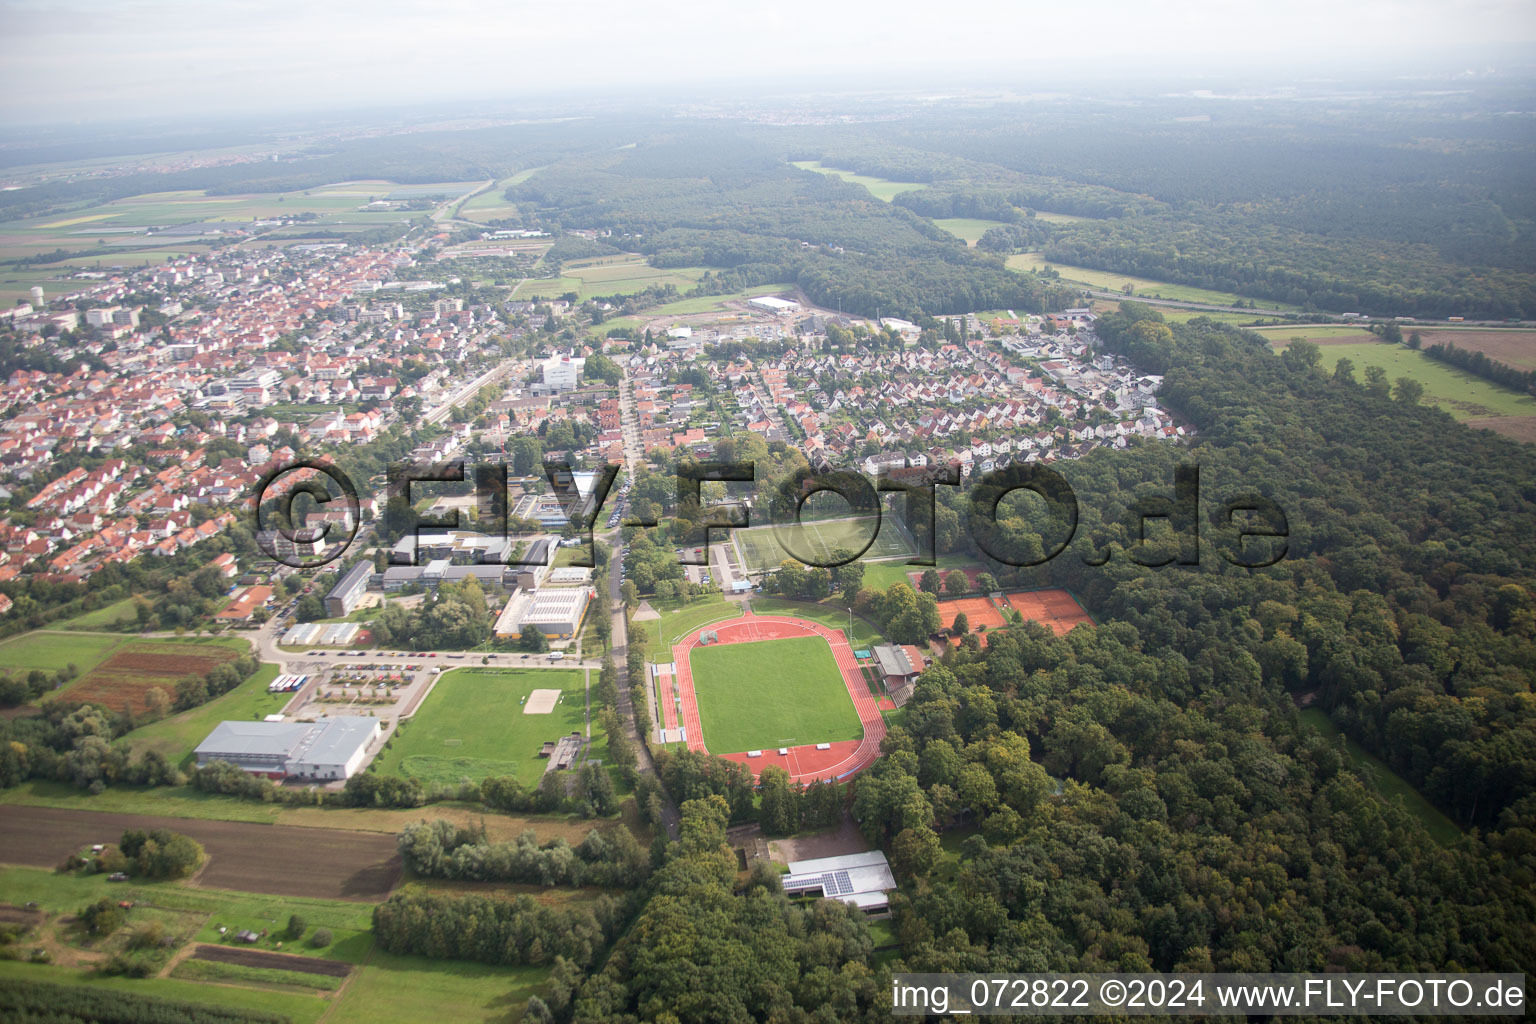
point(862, 879)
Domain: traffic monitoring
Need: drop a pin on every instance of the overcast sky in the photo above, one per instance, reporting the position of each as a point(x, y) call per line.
point(82, 59)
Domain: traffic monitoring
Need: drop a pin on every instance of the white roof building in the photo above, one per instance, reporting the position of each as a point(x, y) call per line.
point(332, 748)
point(773, 304)
point(862, 879)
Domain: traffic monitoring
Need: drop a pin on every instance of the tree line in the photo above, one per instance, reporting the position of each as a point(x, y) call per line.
point(493, 930)
point(1489, 369)
point(440, 849)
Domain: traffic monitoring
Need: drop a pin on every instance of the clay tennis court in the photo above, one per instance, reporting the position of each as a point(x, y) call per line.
point(1055, 608)
point(810, 761)
point(979, 611)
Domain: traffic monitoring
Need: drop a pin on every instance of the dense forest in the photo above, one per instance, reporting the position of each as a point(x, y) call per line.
point(1401, 207)
point(720, 200)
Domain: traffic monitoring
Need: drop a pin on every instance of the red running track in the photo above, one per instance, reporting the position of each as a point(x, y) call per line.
point(664, 695)
point(804, 763)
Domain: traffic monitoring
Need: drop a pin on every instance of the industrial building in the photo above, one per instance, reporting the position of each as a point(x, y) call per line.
point(334, 747)
point(556, 612)
point(862, 879)
point(773, 304)
point(348, 590)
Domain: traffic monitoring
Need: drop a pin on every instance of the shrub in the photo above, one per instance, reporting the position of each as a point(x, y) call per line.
point(296, 926)
point(321, 938)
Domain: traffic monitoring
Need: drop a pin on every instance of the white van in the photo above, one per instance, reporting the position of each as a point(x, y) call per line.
point(556, 655)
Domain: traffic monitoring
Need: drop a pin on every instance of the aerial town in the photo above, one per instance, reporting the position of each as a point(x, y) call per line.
point(549, 555)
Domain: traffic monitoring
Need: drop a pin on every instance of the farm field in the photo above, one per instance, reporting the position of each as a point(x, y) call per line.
point(629, 276)
point(132, 670)
point(544, 287)
point(771, 693)
point(59, 893)
point(880, 188)
point(760, 548)
point(1322, 334)
point(472, 726)
point(242, 856)
point(300, 1007)
point(176, 736)
point(1464, 395)
point(52, 651)
point(1512, 347)
point(187, 802)
point(385, 987)
point(115, 234)
point(969, 228)
point(1388, 784)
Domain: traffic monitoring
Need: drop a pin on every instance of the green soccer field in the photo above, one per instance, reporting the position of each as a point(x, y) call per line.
point(472, 726)
point(761, 548)
point(771, 693)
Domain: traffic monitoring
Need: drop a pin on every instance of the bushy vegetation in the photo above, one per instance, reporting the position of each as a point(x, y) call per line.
point(440, 849)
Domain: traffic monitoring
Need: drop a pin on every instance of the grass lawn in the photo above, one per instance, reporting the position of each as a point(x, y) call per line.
point(678, 619)
point(1388, 784)
point(880, 188)
point(473, 726)
point(350, 922)
point(1060, 218)
point(107, 617)
point(880, 575)
point(969, 228)
point(177, 735)
point(301, 1007)
point(54, 651)
point(1142, 287)
point(771, 693)
point(1458, 392)
point(833, 614)
point(545, 287)
point(412, 988)
point(171, 801)
point(760, 546)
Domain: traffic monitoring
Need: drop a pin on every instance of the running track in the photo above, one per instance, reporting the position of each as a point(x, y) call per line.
point(804, 763)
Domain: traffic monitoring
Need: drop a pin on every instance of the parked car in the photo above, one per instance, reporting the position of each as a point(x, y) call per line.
point(117, 876)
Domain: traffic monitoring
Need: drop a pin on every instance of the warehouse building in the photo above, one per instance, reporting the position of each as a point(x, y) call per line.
point(773, 304)
point(348, 591)
point(556, 612)
point(334, 747)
